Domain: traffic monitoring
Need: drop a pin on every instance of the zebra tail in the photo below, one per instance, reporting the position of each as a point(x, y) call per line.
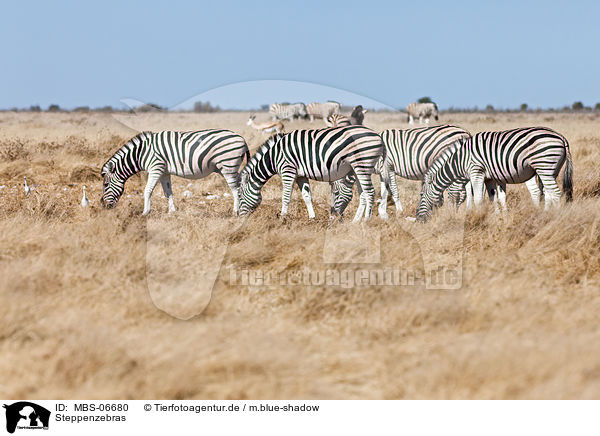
point(568, 177)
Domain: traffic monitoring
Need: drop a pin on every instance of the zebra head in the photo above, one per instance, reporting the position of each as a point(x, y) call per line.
point(122, 165)
point(113, 184)
point(254, 176)
point(249, 197)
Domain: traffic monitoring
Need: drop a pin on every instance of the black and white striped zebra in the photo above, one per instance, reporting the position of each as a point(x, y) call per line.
point(287, 111)
point(191, 155)
point(322, 110)
point(422, 111)
point(504, 157)
point(323, 155)
point(337, 120)
point(409, 153)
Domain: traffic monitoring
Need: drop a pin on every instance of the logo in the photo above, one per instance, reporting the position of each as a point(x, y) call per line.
point(26, 415)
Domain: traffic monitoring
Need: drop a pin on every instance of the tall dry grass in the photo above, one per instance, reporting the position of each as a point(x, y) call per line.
point(77, 320)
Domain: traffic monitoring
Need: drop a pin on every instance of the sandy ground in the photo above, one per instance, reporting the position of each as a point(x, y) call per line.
point(80, 288)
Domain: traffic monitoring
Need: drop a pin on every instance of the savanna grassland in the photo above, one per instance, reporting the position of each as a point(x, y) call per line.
point(78, 317)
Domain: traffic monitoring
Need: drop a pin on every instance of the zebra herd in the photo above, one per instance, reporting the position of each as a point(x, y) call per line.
point(445, 158)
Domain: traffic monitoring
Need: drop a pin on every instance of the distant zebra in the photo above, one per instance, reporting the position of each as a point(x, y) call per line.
point(324, 155)
point(510, 156)
point(356, 118)
point(337, 120)
point(287, 111)
point(421, 111)
point(191, 155)
point(322, 110)
point(409, 153)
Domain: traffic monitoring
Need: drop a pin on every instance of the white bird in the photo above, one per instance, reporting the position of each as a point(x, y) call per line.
point(27, 188)
point(84, 200)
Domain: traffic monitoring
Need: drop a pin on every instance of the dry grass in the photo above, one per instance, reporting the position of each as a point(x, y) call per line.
point(77, 320)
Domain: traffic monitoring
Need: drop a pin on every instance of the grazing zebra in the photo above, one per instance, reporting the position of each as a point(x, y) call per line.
point(324, 155)
point(421, 111)
point(409, 153)
point(191, 155)
point(510, 156)
point(337, 120)
point(322, 110)
point(287, 111)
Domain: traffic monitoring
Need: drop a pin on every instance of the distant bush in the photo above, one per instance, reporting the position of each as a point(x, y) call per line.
point(489, 108)
point(81, 109)
point(524, 107)
point(54, 108)
point(424, 100)
point(265, 107)
point(35, 108)
point(597, 107)
point(577, 106)
point(104, 109)
point(205, 107)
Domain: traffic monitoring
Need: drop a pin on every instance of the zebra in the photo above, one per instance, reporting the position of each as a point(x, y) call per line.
point(358, 115)
point(191, 155)
point(409, 153)
point(421, 111)
point(322, 110)
point(287, 111)
point(337, 120)
point(323, 155)
point(509, 156)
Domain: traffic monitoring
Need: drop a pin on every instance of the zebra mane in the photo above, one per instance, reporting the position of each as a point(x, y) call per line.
point(442, 158)
point(267, 145)
point(129, 145)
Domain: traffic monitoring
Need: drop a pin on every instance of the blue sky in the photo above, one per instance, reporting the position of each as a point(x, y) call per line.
point(461, 53)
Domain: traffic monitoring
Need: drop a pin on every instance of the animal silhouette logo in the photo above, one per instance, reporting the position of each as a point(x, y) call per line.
point(26, 415)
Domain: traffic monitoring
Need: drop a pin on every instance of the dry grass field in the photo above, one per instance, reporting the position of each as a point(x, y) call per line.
point(77, 319)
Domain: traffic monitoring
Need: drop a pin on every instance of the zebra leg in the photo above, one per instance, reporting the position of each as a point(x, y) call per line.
point(165, 182)
point(333, 213)
point(394, 189)
point(302, 183)
point(382, 209)
point(534, 190)
point(153, 178)
point(411, 120)
point(367, 196)
point(551, 191)
point(233, 181)
point(501, 195)
point(478, 185)
point(492, 193)
point(287, 179)
point(469, 195)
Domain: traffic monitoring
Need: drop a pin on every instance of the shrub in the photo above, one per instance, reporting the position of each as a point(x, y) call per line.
point(205, 107)
point(577, 106)
point(524, 107)
point(424, 100)
point(54, 108)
